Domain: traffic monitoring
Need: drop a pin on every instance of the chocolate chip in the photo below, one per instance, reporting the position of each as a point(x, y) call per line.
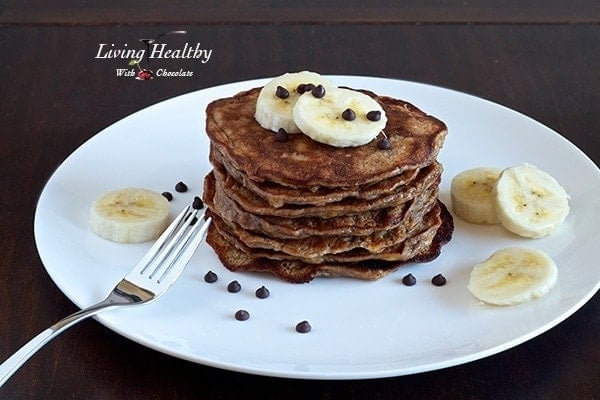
point(309, 87)
point(194, 220)
point(349, 114)
point(262, 292)
point(242, 315)
point(438, 280)
point(303, 327)
point(210, 277)
point(384, 144)
point(409, 280)
point(282, 92)
point(318, 91)
point(234, 287)
point(181, 187)
point(281, 135)
point(167, 195)
point(301, 88)
point(374, 115)
point(198, 204)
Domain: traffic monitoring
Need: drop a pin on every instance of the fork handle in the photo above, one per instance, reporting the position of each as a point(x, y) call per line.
point(14, 362)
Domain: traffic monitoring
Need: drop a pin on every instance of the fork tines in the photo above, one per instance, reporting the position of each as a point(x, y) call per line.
point(176, 245)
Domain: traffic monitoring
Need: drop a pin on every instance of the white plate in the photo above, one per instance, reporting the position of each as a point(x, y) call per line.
point(360, 329)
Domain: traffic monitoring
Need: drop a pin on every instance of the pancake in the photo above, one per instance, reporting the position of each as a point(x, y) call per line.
point(278, 195)
point(415, 138)
point(301, 209)
point(392, 245)
point(362, 224)
point(254, 204)
point(296, 271)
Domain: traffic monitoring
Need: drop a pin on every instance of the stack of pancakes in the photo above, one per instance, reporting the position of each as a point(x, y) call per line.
point(301, 209)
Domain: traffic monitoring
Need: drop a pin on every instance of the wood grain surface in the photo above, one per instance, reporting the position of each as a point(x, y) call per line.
point(56, 95)
point(305, 12)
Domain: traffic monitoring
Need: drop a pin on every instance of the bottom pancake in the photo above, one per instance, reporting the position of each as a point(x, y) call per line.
point(296, 271)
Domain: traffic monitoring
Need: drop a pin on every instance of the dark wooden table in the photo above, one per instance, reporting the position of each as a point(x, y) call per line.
point(542, 60)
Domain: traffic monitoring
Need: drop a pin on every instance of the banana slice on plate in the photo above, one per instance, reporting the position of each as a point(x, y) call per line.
point(341, 118)
point(530, 202)
point(130, 215)
point(471, 195)
point(277, 98)
point(512, 276)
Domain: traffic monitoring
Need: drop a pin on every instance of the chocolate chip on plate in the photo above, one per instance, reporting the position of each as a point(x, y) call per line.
point(198, 204)
point(210, 277)
point(167, 195)
point(181, 187)
point(438, 280)
point(234, 287)
point(262, 292)
point(242, 315)
point(303, 327)
point(409, 280)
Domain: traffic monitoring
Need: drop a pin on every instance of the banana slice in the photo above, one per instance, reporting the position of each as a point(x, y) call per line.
point(277, 98)
point(512, 276)
point(530, 202)
point(130, 215)
point(471, 195)
point(340, 118)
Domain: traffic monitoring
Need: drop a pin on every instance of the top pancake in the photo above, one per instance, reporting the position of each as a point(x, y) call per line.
point(301, 162)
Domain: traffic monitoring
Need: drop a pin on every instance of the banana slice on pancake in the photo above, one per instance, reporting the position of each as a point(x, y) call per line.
point(529, 201)
point(130, 215)
point(341, 118)
point(277, 98)
point(512, 276)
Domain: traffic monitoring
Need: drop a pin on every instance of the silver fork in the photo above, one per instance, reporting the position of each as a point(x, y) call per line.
point(158, 269)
